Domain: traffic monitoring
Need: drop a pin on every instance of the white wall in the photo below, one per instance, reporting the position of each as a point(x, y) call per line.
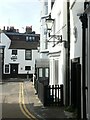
point(43, 36)
point(59, 13)
point(76, 36)
point(20, 57)
point(76, 43)
point(21, 60)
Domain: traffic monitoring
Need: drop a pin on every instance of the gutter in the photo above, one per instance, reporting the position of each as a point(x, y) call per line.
point(68, 57)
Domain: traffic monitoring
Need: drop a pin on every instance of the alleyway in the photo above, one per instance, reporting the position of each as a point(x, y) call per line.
point(19, 101)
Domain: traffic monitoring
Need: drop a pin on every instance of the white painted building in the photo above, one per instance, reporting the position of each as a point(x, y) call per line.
point(79, 55)
point(20, 53)
point(76, 50)
point(57, 50)
point(2, 46)
point(57, 53)
point(43, 36)
point(53, 50)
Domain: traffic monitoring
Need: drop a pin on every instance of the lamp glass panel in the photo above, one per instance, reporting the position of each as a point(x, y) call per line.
point(49, 24)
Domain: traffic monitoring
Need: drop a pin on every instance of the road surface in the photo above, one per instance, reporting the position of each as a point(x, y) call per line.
point(14, 102)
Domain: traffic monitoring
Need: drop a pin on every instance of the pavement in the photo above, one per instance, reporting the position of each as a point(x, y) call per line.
point(37, 108)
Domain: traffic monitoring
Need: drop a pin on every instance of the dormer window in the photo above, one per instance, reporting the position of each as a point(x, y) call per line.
point(33, 38)
point(26, 38)
point(30, 38)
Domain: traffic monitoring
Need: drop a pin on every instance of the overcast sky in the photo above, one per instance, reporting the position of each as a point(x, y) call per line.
point(20, 13)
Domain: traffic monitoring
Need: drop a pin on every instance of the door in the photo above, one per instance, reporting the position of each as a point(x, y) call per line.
point(14, 70)
point(76, 85)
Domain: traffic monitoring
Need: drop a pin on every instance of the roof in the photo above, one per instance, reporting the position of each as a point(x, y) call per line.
point(42, 63)
point(19, 40)
point(23, 45)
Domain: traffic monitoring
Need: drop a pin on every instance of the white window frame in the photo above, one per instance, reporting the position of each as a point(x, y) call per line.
point(28, 54)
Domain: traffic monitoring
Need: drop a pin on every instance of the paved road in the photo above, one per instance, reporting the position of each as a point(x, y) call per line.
point(13, 101)
point(19, 101)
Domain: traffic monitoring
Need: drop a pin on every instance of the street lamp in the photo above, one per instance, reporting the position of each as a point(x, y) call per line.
point(49, 24)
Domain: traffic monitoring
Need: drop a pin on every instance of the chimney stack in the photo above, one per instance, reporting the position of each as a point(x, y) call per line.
point(28, 29)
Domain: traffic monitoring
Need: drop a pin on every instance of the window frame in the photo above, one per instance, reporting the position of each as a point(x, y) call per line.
point(27, 67)
point(29, 53)
point(14, 52)
point(6, 68)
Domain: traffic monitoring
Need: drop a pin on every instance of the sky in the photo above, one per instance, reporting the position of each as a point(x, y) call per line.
point(20, 13)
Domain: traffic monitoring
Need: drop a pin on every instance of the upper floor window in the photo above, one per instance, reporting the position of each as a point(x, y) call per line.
point(33, 38)
point(14, 52)
point(26, 38)
point(30, 38)
point(28, 54)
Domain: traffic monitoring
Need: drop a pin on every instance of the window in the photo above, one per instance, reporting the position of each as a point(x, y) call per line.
point(30, 38)
point(28, 54)
point(46, 72)
point(14, 52)
point(33, 38)
point(43, 72)
point(6, 68)
point(27, 67)
point(26, 38)
point(40, 72)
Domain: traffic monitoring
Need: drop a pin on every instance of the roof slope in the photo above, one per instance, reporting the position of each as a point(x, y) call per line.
point(19, 41)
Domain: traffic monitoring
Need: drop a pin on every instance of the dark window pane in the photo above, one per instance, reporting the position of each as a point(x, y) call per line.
point(27, 67)
point(14, 52)
point(28, 54)
point(6, 68)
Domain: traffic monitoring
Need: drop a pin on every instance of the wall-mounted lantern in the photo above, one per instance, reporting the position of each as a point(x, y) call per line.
point(49, 24)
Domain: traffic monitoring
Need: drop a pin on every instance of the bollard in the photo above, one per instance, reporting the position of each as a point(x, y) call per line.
point(27, 75)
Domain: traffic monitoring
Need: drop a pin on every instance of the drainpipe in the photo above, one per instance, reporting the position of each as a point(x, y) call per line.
point(68, 57)
point(84, 19)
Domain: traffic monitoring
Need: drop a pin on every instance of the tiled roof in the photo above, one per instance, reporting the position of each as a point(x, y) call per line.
point(23, 45)
point(18, 41)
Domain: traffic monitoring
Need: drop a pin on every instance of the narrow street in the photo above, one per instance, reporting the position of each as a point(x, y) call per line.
point(19, 101)
point(13, 101)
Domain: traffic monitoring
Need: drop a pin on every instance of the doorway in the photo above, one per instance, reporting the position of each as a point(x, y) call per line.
point(76, 85)
point(14, 70)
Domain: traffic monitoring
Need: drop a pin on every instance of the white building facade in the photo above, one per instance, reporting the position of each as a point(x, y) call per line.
point(19, 59)
point(43, 37)
point(57, 50)
point(72, 21)
point(79, 54)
